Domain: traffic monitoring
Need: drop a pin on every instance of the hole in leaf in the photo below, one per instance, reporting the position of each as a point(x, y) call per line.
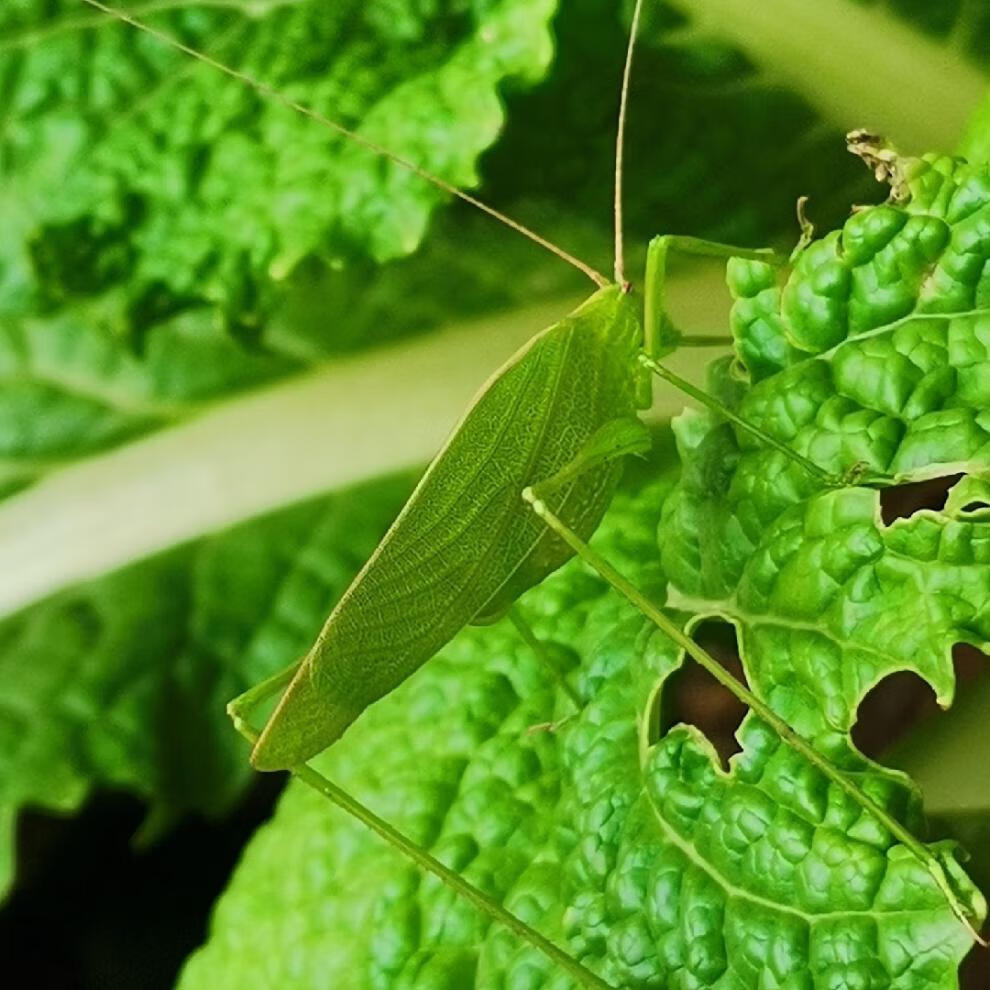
point(691, 696)
point(902, 701)
point(975, 507)
point(903, 501)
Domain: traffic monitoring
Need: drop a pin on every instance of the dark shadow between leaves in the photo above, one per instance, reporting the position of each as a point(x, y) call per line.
point(900, 719)
point(91, 912)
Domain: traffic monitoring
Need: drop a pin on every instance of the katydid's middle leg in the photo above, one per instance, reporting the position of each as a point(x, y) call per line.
point(542, 652)
point(611, 441)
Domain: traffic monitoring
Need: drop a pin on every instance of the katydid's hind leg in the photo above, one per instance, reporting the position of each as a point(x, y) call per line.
point(409, 848)
point(243, 704)
point(757, 706)
point(240, 708)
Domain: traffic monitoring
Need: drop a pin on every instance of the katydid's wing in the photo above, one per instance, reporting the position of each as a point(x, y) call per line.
point(466, 546)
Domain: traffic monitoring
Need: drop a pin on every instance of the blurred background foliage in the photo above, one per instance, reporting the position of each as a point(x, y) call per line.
point(169, 242)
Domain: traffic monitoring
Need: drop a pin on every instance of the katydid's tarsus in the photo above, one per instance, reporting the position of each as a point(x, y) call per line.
point(555, 423)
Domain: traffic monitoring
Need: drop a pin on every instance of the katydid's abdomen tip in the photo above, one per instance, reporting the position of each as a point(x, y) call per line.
point(305, 722)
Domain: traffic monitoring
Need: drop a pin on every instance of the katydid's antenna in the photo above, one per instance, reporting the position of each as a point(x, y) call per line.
point(620, 139)
point(271, 93)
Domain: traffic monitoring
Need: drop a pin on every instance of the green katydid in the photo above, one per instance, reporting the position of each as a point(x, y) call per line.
point(552, 425)
point(465, 547)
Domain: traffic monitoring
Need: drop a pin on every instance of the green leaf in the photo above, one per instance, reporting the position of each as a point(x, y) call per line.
point(132, 166)
point(70, 393)
point(637, 855)
point(122, 682)
point(69, 390)
point(874, 355)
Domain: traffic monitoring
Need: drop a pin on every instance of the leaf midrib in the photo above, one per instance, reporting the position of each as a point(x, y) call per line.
point(858, 65)
point(734, 891)
point(328, 428)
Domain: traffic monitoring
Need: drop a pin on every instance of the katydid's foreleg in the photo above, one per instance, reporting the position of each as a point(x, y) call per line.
point(662, 371)
point(759, 708)
point(661, 336)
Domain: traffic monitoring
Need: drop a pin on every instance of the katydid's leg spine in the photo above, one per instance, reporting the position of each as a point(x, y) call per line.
point(539, 648)
point(425, 861)
point(797, 742)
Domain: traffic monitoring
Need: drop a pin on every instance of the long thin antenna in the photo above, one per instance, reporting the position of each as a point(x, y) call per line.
point(269, 91)
point(620, 141)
